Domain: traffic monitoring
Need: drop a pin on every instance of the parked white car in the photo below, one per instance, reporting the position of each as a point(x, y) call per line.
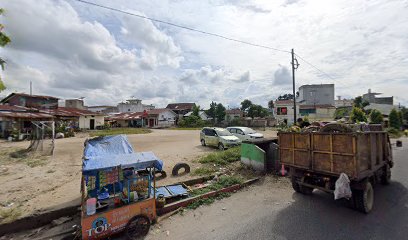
point(218, 137)
point(244, 133)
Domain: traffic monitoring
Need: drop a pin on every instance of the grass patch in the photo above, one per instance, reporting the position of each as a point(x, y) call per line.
point(203, 171)
point(9, 214)
point(207, 201)
point(223, 182)
point(223, 157)
point(394, 133)
point(116, 131)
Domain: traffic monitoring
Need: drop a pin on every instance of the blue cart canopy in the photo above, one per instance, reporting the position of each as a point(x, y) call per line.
point(103, 153)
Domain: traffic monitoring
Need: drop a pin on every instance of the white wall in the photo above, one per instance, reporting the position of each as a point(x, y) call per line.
point(317, 94)
point(84, 121)
point(290, 113)
point(166, 119)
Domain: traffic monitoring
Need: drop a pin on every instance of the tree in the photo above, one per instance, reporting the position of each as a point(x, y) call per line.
point(341, 112)
point(286, 96)
point(394, 119)
point(196, 111)
point(360, 103)
point(357, 115)
point(404, 112)
point(400, 118)
point(220, 112)
point(245, 105)
point(212, 111)
point(4, 40)
point(271, 104)
point(376, 117)
point(257, 111)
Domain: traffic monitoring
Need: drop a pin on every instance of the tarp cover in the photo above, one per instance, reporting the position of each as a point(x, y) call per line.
point(108, 145)
point(112, 151)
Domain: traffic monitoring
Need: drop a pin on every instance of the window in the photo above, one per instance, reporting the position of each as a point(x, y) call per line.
point(232, 130)
point(305, 112)
point(209, 132)
point(282, 111)
point(239, 131)
point(128, 109)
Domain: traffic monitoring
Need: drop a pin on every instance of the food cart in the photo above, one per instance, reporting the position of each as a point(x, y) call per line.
point(116, 195)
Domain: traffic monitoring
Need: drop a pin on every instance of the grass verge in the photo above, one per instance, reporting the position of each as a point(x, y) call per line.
point(208, 201)
point(116, 131)
point(223, 182)
point(203, 171)
point(222, 158)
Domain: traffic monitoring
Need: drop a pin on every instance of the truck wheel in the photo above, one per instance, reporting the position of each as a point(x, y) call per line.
point(364, 199)
point(137, 227)
point(306, 190)
point(295, 185)
point(203, 142)
point(386, 176)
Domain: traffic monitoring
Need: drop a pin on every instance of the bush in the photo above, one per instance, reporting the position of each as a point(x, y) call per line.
point(394, 133)
point(222, 158)
point(191, 121)
point(395, 121)
point(357, 115)
point(376, 117)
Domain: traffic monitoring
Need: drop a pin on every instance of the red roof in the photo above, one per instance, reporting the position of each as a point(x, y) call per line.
point(22, 112)
point(70, 112)
point(233, 111)
point(126, 116)
point(158, 110)
point(180, 106)
point(27, 95)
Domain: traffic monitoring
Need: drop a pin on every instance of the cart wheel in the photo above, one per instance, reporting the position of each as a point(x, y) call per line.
point(364, 199)
point(386, 176)
point(137, 227)
point(306, 190)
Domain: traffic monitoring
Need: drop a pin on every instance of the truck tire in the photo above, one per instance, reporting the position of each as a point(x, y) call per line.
point(386, 175)
point(363, 200)
point(295, 185)
point(299, 188)
point(177, 168)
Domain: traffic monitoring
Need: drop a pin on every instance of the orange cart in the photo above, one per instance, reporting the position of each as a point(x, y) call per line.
point(117, 192)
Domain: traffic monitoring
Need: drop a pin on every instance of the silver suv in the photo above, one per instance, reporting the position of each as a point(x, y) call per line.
point(218, 137)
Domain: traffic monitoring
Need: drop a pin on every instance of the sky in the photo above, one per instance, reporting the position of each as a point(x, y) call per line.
point(69, 49)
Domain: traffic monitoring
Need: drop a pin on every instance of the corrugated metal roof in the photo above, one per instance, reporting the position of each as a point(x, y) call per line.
point(26, 95)
point(126, 116)
point(70, 112)
point(316, 106)
point(180, 106)
point(233, 111)
point(159, 110)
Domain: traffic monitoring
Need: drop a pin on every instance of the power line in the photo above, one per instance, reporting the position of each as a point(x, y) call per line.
point(318, 69)
point(183, 27)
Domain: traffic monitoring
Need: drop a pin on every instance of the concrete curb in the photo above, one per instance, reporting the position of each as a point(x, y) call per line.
point(184, 203)
point(41, 219)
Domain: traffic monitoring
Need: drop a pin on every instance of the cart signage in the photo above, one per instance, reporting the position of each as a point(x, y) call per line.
point(99, 227)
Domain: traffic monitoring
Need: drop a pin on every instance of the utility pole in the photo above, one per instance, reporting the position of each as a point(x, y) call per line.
point(295, 65)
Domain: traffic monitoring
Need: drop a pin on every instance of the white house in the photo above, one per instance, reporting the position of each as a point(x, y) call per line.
point(201, 114)
point(161, 117)
point(133, 105)
point(283, 111)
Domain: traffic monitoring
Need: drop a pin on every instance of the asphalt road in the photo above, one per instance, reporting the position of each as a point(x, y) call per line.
point(265, 213)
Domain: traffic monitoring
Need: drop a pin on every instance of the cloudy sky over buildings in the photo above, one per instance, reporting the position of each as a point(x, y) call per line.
point(70, 49)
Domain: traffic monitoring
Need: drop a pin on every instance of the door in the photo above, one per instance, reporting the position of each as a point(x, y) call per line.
point(241, 135)
point(151, 122)
point(211, 137)
point(92, 124)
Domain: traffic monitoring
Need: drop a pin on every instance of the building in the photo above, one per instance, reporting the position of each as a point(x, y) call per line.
point(133, 105)
point(155, 118)
point(316, 94)
point(31, 101)
point(181, 108)
point(77, 118)
point(324, 113)
point(343, 103)
point(201, 114)
point(103, 109)
point(75, 103)
point(283, 111)
point(233, 114)
point(371, 97)
point(18, 118)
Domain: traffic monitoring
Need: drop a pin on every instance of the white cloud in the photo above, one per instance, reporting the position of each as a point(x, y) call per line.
point(69, 48)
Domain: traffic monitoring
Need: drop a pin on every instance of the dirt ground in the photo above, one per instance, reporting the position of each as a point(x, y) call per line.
point(33, 189)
